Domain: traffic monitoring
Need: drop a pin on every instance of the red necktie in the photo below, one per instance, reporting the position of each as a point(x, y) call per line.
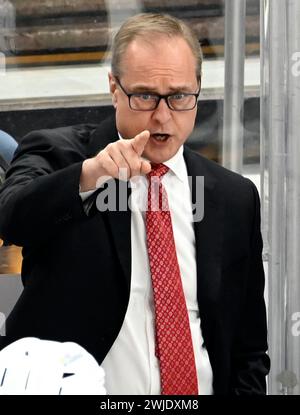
point(174, 347)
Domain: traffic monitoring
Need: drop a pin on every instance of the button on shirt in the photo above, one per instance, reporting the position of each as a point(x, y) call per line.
point(131, 367)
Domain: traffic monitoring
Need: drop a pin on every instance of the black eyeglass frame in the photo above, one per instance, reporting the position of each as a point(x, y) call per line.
point(160, 97)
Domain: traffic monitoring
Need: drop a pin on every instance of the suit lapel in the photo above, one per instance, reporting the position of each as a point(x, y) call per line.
point(105, 133)
point(208, 237)
point(120, 224)
point(120, 220)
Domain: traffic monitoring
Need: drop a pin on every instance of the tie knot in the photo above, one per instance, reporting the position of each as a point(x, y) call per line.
point(158, 170)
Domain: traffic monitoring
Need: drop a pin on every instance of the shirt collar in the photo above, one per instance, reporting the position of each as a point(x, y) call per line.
point(176, 163)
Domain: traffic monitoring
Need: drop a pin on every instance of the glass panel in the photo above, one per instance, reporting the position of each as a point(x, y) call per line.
point(281, 188)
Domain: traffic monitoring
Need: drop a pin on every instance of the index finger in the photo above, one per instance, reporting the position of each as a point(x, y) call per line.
point(139, 142)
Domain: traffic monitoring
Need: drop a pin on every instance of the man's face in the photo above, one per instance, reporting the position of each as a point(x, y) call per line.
point(163, 66)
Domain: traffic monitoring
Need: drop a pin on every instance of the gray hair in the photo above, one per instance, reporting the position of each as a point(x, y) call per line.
point(141, 25)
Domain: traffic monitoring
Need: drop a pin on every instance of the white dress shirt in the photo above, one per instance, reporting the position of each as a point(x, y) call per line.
point(131, 366)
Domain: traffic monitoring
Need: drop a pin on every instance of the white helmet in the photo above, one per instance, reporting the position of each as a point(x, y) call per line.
point(31, 366)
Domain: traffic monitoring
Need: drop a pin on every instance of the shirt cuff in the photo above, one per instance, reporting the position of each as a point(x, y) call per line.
point(86, 195)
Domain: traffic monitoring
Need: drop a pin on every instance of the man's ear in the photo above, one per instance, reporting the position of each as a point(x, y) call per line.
point(113, 88)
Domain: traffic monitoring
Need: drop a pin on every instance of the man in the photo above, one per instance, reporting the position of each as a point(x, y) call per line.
point(98, 277)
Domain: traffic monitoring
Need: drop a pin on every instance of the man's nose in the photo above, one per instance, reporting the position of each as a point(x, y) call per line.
point(162, 113)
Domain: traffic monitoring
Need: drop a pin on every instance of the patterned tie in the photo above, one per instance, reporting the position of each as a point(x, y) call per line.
point(174, 347)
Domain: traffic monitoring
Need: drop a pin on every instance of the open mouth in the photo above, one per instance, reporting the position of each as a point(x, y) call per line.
point(160, 137)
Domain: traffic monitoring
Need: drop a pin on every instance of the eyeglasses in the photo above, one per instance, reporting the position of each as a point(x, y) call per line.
point(149, 102)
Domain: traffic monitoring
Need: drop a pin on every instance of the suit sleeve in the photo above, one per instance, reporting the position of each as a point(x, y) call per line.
point(41, 190)
point(251, 363)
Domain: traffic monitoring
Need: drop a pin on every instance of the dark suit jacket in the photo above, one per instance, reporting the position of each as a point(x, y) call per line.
point(77, 267)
